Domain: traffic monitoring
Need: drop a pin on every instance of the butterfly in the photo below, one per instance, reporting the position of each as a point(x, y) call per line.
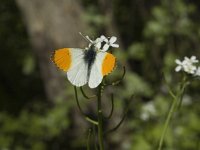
point(88, 65)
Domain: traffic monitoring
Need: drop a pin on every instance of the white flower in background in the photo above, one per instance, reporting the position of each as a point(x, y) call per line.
point(187, 65)
point(187, 100)
point(148, 110)
point(109, 42)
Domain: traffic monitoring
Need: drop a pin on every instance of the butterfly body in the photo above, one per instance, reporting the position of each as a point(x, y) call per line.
point(89, 58)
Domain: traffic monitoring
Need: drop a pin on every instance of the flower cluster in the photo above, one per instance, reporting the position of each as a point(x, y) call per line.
point(188, 65)
point(103, 43)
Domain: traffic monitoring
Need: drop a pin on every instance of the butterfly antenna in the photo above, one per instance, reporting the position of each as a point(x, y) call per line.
point(86, 37)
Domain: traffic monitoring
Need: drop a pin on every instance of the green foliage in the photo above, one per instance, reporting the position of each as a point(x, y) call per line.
point(32, 130)
point(137, 51)
point(95, 19)
point(135, 84)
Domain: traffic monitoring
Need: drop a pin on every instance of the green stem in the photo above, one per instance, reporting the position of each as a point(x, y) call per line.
point(91, 121)
point(94, 137)
point(176, 101)
point(169, 116)
point(184, 83)
point(100, 119)
point(112, 107)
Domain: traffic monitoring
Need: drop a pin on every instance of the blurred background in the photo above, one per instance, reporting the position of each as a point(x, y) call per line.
point(37, 105)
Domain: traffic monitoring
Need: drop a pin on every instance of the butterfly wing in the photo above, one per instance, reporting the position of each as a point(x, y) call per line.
point(72, 61)
point(62, 58)
point(103, 65)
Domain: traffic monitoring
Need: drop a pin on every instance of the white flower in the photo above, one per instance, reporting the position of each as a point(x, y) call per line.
point(187, 65)
point(110, 42)
point(98, 42)
point(197, 73)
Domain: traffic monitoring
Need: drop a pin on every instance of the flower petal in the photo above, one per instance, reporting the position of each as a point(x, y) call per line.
point(178, 68)
point(194, 60)
point(113, 39)
point(178, 62)
point(186, 58)
point(115, 45)
point(197, 72)
point(105, 47)
point(103, 38)
point(98, 45)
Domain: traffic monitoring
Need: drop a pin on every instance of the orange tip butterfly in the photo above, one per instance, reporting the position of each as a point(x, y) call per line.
point(87, 65)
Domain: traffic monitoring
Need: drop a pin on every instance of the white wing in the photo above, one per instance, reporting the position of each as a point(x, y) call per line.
point(78, 72)
point(96, 75)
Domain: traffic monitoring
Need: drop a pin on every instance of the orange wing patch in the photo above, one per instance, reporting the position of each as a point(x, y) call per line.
point(62, 58)
point(108, 64)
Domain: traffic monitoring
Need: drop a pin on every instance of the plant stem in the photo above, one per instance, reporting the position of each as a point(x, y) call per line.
point(88, 139)
point(176, 100)
point(80, 109)
point(169, 116)
point(100, 118)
